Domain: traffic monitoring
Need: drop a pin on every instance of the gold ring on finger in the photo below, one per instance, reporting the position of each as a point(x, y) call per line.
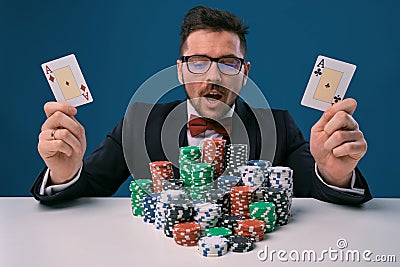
point(53, 134)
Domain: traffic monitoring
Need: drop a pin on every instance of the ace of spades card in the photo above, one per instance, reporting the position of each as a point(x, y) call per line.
point(66, 81)
point(328, 83)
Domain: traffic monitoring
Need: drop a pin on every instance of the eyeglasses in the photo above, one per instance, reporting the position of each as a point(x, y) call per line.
point(199, 64)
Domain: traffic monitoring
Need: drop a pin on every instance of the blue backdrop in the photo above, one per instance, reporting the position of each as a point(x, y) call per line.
point(120, 44)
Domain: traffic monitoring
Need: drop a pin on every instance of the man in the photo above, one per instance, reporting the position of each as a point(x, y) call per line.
point(213, 71)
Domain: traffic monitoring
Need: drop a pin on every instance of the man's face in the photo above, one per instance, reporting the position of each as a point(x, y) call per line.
point(212, 93)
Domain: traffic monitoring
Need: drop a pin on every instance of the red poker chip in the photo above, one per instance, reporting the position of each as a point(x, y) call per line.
point(186, 244)
point(213, 151)
point(238, 196)
point(160, 171)
point(243, 188)
point(251, 223)
point(160, 163)
point(195, 242)
point(247, 233)
point(187, 227)
point(184, 233)
point(240, 210)
point(241, 203)
point(188, 239)
point(241, 226)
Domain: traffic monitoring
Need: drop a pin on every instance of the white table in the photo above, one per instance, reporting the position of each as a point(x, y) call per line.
point(102, 232)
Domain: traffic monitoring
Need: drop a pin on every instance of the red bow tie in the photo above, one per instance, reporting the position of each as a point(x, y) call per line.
point(199, 125)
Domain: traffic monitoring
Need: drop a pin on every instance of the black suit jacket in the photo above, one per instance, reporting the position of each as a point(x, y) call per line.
point(154, 132)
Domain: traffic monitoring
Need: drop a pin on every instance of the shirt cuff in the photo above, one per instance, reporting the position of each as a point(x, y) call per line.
point(52, 189)
point(352, 189)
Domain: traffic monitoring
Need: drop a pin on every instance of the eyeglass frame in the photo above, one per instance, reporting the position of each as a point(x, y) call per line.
point(213, 59)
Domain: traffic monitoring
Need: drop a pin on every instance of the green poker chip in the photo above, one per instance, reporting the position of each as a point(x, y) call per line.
point(218, 231)
point(264, 211)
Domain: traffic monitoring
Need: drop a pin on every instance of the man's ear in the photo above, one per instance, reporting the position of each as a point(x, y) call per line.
point(246, 72)
point(179, 65)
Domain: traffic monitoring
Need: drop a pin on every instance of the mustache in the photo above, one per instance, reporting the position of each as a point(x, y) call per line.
point(214, 87)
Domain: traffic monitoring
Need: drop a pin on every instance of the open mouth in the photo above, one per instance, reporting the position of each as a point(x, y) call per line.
point(213, 96)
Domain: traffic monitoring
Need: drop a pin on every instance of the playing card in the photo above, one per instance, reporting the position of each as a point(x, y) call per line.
point(66, 81)
point(328, 83)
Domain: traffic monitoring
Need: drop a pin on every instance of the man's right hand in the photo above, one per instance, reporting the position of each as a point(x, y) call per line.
point(62, 142)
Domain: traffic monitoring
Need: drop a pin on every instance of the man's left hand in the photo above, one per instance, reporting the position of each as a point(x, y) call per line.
point(337, 144)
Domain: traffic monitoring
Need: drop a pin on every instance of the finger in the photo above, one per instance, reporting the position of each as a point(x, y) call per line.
point(50, 148)
point(348, 105)
point(51, 107)
point(355, 150)
point(64, 135)
point(61, 120)
point(340, 137)
point(341, 121)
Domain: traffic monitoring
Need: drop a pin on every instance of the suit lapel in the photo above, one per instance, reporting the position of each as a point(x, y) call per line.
point(183, 141)
point(245, 129)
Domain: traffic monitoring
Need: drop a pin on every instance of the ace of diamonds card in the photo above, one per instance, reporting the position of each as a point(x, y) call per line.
point(328, 83)
point(66, 81)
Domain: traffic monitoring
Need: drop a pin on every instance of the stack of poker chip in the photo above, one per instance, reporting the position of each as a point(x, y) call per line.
point(241, 197)
point(187, 234)
point(264, 165)
point(188, 155)
point(251, 228)
point(149, 207)
point(279, 197)
point(177, 211)
point(264, 211)
point(199, 192)
point(236, 155)
point(139, 189)
point(252, 175)
point(213, 151)
point(160, 171)
point(201, 174)
point(207, 215)
point(226, 182)
point(213, 246)
point(172, 184)
point(282, 177)
point(218, 231)
point(162, 203)
point(160, 215)
point(220, 197)
point(240, 244)
point(259, 194)
point(230, 221)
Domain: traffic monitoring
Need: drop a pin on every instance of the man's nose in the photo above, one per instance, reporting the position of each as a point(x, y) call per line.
point(213, 74)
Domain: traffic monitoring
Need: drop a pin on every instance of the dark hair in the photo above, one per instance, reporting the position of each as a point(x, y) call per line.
point(205, 18)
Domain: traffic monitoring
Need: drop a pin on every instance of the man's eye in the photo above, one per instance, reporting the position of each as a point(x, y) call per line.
point(228, 65)
point(199, 64)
